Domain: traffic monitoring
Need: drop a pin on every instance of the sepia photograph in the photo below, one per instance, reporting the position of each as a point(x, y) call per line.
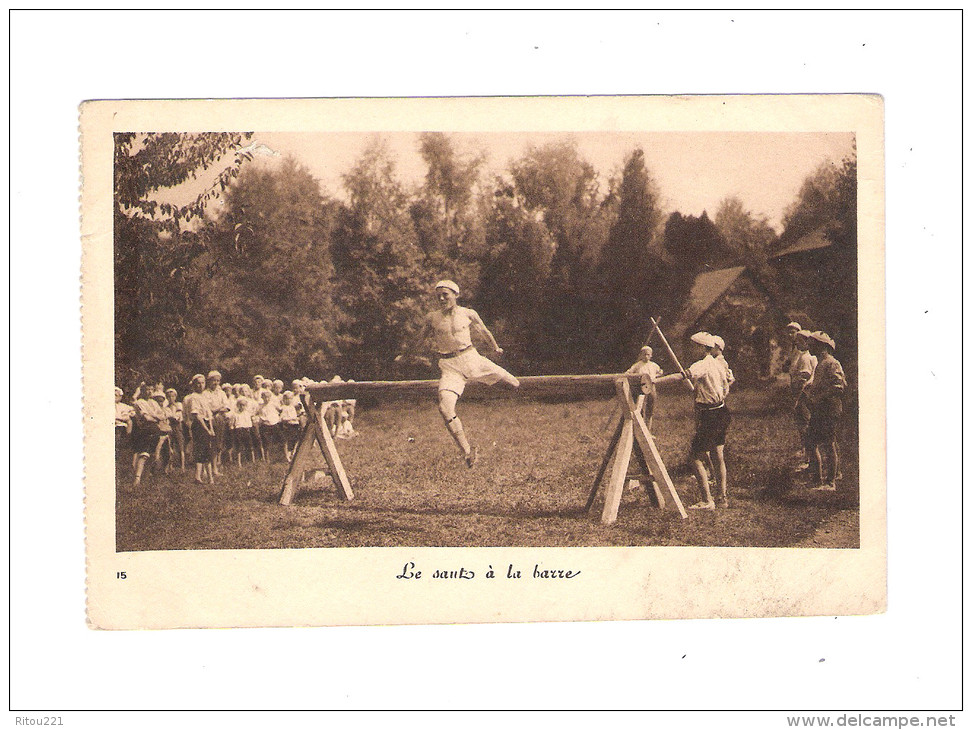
point(254, 272)
point(422, 337)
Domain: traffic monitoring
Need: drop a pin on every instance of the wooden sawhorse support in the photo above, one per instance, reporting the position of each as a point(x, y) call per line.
point(632, 430)
point(315, 432)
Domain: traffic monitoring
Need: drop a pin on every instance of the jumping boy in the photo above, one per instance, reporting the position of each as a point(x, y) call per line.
point(450, 329)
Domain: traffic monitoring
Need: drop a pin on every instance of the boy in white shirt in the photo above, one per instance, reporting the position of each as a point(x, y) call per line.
point(289, 423)
point(269, 421)
point(711, 378)
point(650, 372)
point(241, 423)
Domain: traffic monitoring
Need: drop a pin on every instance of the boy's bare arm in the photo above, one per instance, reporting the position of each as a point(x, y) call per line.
point(484, 331)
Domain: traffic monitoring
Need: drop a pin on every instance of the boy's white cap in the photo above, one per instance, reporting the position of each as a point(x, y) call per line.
point(794, 326)
point(119, 391)
point(448, 284)
point(703, 338)
point(718, 342)
point(278, 380)
point(172, 390)
point(647, 348)
point(197, 376)
point(214, 374)
point(824, 338)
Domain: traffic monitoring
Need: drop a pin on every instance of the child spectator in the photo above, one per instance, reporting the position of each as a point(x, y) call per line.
point(177, 440)
point(219, 405)
point(289, 423)
point(801, 374)
point(825, 394)
point(253, 408)
point(151, 428)
point(123, 421)
point(200, 416)
point(269, 422)
point(649, 372)
point(241, 423)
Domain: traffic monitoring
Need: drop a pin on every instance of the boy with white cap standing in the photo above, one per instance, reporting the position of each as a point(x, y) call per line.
point(450, 329)
point(825, 394)
point(220, 406)
point(711, 379)
point(801, 374)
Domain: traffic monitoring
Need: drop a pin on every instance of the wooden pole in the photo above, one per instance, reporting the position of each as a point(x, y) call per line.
point(672, 353)
point(336, 391)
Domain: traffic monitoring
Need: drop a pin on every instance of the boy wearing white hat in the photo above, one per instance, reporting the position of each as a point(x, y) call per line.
point(825, 395)
point(197, 412)
point(801, 374)
point(649, 371)
point(450, 329)
point(219, 404)
point(711, 380)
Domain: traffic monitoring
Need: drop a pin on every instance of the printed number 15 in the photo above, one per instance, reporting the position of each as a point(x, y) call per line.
point(120, 575)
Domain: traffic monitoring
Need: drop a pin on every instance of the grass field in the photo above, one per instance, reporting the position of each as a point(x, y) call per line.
point(538, 458)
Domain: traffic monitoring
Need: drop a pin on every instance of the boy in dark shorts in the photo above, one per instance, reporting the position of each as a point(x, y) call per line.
point(711, 378)
point(825, 396)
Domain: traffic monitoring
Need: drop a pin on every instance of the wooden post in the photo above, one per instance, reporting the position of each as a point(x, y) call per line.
point(649, 450)
point(330, 452)
point(604, 463)
point(316, 431)
point(619, 471)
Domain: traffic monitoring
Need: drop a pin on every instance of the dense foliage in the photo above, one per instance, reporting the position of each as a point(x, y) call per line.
point(261, 271)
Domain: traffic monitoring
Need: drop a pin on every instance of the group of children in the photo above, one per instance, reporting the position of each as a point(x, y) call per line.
point(236, 420)
point(218, 423)
point(817, 384)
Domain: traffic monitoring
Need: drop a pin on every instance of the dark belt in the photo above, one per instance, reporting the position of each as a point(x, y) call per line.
point(456, 353)
point(709, 406)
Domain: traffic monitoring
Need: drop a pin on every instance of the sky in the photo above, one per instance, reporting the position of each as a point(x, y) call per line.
point(695, 171)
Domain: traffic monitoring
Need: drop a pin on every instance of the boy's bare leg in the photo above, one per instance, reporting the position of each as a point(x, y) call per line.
point(702, 478)
point(140, 461)
point(447, 407)
point(720, 472)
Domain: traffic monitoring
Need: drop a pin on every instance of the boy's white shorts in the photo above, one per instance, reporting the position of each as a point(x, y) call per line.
point(470, 366)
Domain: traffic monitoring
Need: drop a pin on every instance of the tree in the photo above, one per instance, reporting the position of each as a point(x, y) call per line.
point(747, 236)
point(630, 266)
point(515, 272)
point(694, 243)
point(827, 203)
point(445, 215)
point(554, 182)
point(157, 242)
point(378, 263)
point(267, 304)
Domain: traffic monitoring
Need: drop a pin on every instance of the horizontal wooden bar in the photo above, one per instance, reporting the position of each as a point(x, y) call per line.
point(335, 391)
